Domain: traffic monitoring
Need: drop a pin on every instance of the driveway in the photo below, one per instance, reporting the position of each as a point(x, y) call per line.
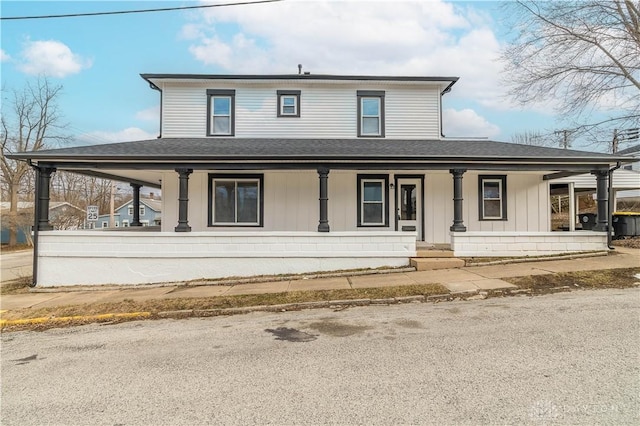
point(568, 358)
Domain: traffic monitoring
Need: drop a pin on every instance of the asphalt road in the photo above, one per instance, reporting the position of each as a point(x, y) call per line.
point(570, 358)
point(16, 265)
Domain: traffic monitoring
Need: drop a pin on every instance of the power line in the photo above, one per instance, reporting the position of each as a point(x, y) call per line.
point(123, 12)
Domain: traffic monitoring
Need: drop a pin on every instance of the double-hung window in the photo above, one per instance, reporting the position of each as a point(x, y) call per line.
point(130, 210)
point(373, 205)
point(370, 113)
point(236, 200)
point(493, 197)
point(288, 103)
point(221, 107)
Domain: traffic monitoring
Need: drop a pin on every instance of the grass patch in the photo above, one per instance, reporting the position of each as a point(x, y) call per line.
point(608, 278)
point(5, 248)
point(220, 302)
point(17, 286)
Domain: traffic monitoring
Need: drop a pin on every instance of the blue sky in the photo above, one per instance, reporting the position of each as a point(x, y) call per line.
point(98, 59)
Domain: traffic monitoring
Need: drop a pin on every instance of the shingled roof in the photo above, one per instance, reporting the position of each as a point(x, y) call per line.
point(357, 150)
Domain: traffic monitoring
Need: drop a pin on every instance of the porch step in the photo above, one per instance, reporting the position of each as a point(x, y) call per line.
point(431, 263)
point(433, 253)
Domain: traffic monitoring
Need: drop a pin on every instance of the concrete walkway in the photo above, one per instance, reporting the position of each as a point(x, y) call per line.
point(470, 279)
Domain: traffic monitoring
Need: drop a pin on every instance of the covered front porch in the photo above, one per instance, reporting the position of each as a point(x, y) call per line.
point(342, 207)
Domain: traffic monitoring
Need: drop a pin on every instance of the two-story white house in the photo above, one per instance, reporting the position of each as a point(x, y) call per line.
point(272, 174)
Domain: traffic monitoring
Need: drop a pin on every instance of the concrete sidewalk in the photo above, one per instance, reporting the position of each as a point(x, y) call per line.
point(469, 279)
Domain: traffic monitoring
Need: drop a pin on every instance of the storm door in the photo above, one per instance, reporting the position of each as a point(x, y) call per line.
point(409, 205)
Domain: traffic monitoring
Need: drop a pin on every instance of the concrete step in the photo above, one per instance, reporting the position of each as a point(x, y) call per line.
point(433, 253)
point(431, 263)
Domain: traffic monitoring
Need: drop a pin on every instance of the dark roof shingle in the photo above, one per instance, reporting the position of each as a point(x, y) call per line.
point(211, 149)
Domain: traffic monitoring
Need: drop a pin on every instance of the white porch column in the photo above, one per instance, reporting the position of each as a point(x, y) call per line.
point(572, 206)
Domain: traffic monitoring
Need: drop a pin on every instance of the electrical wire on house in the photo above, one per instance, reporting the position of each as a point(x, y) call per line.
point(123, 12)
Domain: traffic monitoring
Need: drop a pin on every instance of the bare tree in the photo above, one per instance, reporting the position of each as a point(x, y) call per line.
point(530, 137)
point(583, 55)
point(81, 190)
point(30, 121)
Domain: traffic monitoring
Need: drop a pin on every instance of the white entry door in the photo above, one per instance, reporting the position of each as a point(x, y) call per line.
point(409, 207)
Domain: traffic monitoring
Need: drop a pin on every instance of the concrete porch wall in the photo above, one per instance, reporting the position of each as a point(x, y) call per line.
point(91, 257)
point(511, 244)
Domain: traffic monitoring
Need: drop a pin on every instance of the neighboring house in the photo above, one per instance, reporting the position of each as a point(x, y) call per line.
point(150, 214)
point(632, 151)
point(273, 174)
point(62, 216)
point(625, 181)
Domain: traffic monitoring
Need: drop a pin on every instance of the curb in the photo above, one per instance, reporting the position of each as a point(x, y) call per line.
point(97, 318)
point(337, 304)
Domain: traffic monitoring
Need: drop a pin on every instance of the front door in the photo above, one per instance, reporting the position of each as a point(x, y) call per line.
point(409, 206)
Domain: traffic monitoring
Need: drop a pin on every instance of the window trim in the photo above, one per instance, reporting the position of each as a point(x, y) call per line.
point(236, 177)
point(130, 210)
point(287, 93)
point(502, 179)
point(229, 93)
point(379, 94)
point(361, 178)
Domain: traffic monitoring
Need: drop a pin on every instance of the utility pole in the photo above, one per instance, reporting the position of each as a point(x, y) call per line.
point(565, 137)
point(623, 136)
point(112, 218)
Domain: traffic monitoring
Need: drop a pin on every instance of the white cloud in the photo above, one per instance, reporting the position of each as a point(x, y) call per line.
point(467, 123)
point(149, 114)
point(4, 56)
point(354, 37)
point(52, 58)
point(125, 135)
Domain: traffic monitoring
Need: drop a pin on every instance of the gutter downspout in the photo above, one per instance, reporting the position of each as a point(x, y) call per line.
point(445, 91)
point(611, 206)
point(36, 209)
point(154, 87)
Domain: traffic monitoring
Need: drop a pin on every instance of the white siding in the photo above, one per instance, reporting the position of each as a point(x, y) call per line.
point(184, 111)
point(622, 179)
point(291, 203)
point(324, 113)
point(527, 204)
point(412, 114)
point(327, 111)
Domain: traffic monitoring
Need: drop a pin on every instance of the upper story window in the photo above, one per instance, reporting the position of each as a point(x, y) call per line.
point(221, 112)
point(371, 113)
point(130, 210)
point(288, 103)
point(492, 197)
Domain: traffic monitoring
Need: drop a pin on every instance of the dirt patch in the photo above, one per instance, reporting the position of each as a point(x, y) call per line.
point(610, 278)
point(18, 286)
point(631, 242)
